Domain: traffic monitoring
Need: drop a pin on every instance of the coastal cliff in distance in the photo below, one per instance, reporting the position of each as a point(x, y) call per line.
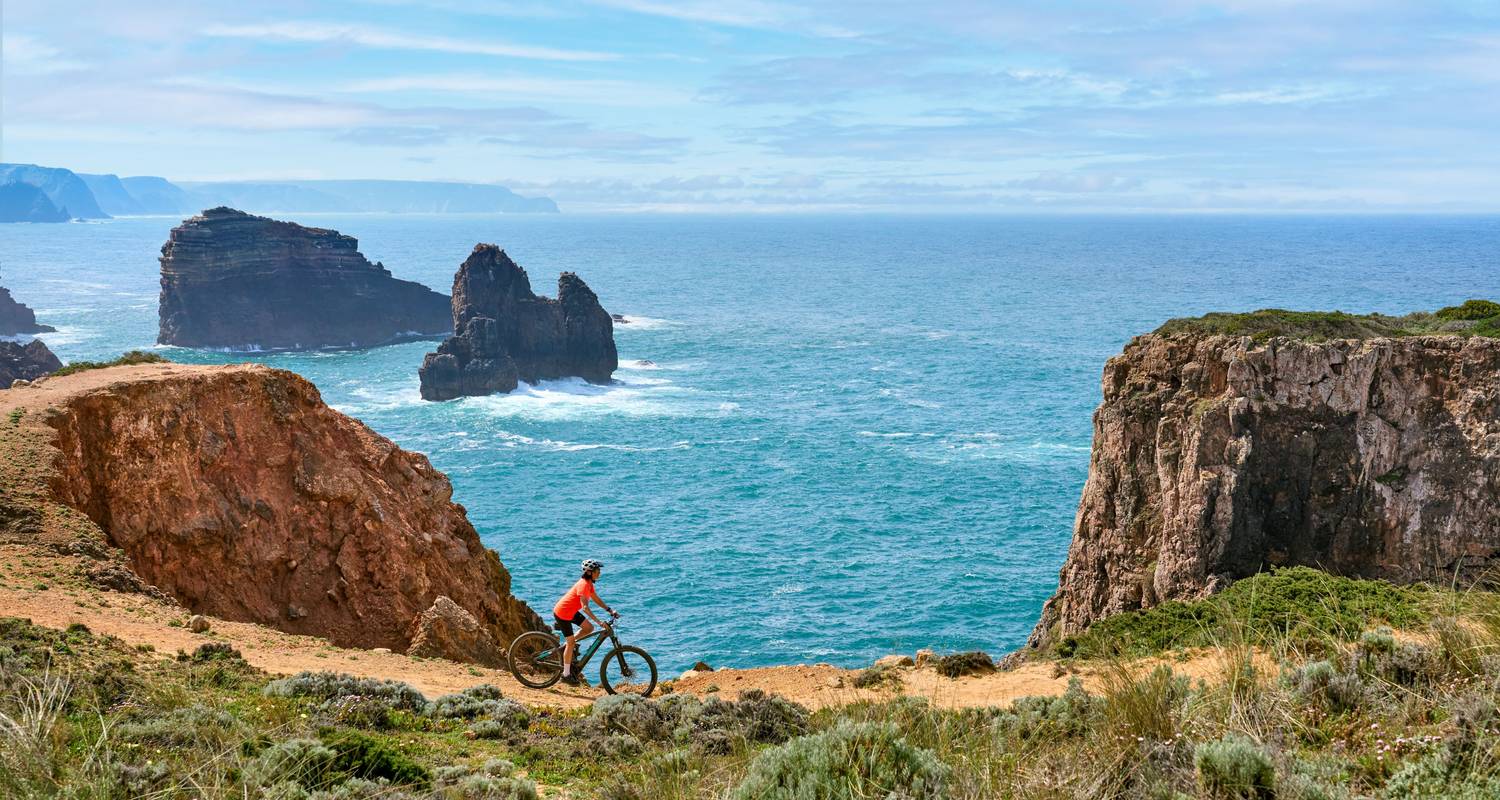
point(503, 333)
point(236, 281)
point(238, 492)
point(1362, 445)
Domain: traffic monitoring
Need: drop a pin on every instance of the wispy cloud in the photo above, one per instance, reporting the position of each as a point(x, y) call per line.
point(28, 55)
point(742, 14)
point(602, 92)
point(377, 38)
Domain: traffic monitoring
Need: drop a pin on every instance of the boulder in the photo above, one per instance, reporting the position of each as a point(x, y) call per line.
point(925, 658)
point(237, 281)
point(448, 631)
point(503, 333)
point(198, 624)
point(895, 662)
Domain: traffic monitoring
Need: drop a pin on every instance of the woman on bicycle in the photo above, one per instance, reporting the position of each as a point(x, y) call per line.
point(570, 611)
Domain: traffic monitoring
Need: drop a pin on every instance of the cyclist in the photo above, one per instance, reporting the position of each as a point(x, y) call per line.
point(570, 611)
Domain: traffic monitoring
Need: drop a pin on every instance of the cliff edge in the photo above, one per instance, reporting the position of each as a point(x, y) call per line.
point(16, 318)
point(236, 491)
point(237, 281)
point(1358, 445)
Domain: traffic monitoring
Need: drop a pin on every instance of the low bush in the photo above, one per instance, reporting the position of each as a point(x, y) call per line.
point(128, 359)
point(361, 756)
point(1234, 768)
point(193, 726)
point(850, 761)
point(327, 686)
point(1296, 602)
point(958, 665)
point(303, 763)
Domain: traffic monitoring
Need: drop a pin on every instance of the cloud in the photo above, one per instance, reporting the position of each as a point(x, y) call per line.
point(1078, 183)
point(696, 184)
point(376, 38)
point(599, 92)
point(740, 14)
point(28, 55)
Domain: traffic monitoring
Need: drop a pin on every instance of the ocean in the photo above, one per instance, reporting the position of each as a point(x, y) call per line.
point(831, 437)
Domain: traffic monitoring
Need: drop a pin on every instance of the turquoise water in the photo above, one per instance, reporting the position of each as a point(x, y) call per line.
point(858, 435)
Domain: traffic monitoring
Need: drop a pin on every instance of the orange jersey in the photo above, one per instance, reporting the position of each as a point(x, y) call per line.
point(572, 602)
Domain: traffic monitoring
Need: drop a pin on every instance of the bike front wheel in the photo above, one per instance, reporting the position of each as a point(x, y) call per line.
point(628, 670)
point(536, 659)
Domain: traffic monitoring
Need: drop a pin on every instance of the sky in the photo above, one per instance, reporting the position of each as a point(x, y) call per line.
point(820, 105)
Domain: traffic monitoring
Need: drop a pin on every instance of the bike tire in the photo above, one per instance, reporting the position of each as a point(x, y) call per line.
point(524, 665)
point(617, 657)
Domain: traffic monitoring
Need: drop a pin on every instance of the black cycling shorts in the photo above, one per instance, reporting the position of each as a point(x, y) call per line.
point(566, 625)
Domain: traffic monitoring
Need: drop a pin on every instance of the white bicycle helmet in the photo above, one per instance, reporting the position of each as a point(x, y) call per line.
point(590, 565)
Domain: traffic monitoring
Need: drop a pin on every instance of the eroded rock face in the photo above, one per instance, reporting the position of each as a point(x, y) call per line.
point(503, 333)
point(25, 362)
point(233, 280)
point(238, 492)
point(16, 318)
point(1215, 457)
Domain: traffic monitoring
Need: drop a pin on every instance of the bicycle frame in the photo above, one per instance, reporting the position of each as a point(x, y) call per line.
point(605, 633)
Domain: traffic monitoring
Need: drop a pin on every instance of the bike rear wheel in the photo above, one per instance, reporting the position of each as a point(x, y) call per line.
point(536, 659)
point(628, 670)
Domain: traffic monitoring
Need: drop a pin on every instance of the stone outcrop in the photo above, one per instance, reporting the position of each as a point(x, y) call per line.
point(1217, 456)
point(237, 281)
point(25, 362)
point(238, 492)
point(503, 333)
point(448, 631)
point(16, 318)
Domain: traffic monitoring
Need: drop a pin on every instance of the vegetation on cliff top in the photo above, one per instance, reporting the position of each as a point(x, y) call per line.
point(1472, 318)
point(128, 359)
point(1345, 713)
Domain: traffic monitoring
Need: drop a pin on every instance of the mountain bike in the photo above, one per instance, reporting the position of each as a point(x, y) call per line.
point(536, 661)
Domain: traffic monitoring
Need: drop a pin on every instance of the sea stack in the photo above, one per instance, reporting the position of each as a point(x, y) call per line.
point(503, 333)
point(1359, 449)
point(238, 492)
point(16, 318)
point(237, 281)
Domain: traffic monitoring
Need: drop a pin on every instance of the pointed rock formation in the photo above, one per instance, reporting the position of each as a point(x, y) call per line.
point(1217, 456)
point(504, 333)
point(16, 318)
point(238, 492)
point(25, 362)
point(237, 281)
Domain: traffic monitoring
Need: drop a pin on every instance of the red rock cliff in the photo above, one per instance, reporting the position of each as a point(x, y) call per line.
point(236, 490)
point(1215, 456)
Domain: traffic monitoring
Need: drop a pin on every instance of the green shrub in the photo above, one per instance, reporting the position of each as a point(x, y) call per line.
point(1234, 768)
point(1071, 714)
point(960, 664)
point(306, 763)
point(1470, 311)
point(128, 359)
point(850, 761)
point(362, 756)
point(1321, 683)
point(876, 677)
point(1300, 602)
point(1433, 777)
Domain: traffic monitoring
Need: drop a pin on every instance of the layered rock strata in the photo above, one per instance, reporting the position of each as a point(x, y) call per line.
point(25, 362)
point(503, 333)
point(1217, 456)
point(16, 318)
point(238, 492)
point(237, 281)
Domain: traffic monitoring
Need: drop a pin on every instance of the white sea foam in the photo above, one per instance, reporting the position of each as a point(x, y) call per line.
point(635, 323)
point(894, 435)
point(574, 398)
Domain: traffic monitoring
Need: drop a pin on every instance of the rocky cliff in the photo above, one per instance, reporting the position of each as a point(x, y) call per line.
point(238, 492)
point(233, 280)
point(25, 362)
point(1216, 456)
point(16, 318)
point(22, 202)
point(504, 333)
